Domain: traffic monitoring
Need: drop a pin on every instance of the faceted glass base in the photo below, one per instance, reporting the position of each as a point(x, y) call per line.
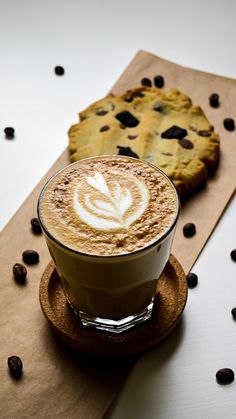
point(115, 326)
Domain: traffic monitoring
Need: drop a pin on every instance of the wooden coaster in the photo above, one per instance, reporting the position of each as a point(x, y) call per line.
point(170, 301)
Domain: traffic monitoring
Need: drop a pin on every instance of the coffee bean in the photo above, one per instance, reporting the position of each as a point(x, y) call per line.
point(225, 376)
point(174, 132)
point(146, 82)
point(233, 312)
point(36, 227)
point(20, 273)
point(31, 257)
point(159, 81)
point(186, 143)
point(15, 366)
point(104, 128)
point(229, 124)
point(214, 100)
point(126, 151)
point(192, 280)
point(9, 133)
point(189, 229)
point(233, 255)
point(59, 70)
point(127, 119)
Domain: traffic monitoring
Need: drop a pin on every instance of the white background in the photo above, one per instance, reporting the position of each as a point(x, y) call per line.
point(94, 41)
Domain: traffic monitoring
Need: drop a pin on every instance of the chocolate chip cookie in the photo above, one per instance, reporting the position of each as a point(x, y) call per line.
point(163, 128)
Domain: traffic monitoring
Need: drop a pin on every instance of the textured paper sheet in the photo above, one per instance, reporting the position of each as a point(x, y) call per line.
point(56, 381)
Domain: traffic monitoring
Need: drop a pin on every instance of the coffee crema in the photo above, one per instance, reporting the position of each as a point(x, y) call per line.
point(108, 205)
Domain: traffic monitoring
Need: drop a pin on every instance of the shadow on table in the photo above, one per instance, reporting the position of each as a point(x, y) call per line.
point(150, 366)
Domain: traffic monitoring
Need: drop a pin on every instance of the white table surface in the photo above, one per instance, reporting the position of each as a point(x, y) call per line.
point(94, 41)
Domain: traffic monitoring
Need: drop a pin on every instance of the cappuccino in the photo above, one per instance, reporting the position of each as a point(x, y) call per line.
point(109, 223)
point(108, 205)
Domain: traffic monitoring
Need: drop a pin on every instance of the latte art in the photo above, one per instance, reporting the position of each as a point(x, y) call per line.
point(107, 207)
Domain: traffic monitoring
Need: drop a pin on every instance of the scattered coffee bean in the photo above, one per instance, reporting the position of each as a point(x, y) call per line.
point(20, 273)
point(30, 256)
point(225, 376)
point(59, 70)
point(192, 280)
point(104, 128)
point(233, 255)
point(214, 100)
point(233, 312)
point(15, 366)
point(229, 124)
point(36, 227)
point(174, 132)
point(146, 82)
point(9, 133)
point(159, 81)
point(126, 151)
point(189, 229)
point(186, 143)
point(127, 119)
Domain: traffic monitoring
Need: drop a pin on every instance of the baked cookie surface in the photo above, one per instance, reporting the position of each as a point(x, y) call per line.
point(163, 128)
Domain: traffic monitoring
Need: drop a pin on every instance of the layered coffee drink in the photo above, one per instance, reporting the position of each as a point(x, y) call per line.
point(109, 224)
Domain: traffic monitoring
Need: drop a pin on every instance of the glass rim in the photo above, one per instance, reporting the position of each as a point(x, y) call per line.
point(122, 255)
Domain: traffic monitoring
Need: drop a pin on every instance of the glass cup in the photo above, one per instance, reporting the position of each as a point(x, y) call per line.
point(110, 293)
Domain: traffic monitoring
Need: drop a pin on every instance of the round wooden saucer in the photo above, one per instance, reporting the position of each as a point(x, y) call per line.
point(169, 304)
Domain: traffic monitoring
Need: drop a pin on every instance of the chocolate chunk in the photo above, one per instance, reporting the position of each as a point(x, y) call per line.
point(159, 81)
point(233, 255)
point(20, 273)
point(189, 229)
point(204, 133)
point(233, 312)
point(104, 128)
point(122, 126)
point(31, 257)
point(132, 95)
point(36, 227)
point(146, 82)
point(59, 70)
point(132, 137)
point(128, 99)
point(174, 132)
point(186, 143)
point(15, 366)
point(166, 154)
point(127, 119)
point(192, 280)
point(101, 112)
point(225, 376)
point(158, 107)
point(126, 151)
point(214, 100)
point(229, 124)
point(9, 133)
